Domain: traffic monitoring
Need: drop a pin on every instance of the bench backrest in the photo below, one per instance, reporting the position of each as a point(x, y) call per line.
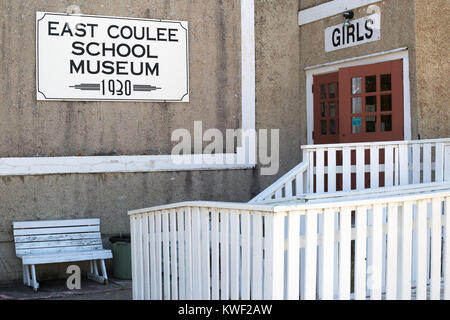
point(57, 236)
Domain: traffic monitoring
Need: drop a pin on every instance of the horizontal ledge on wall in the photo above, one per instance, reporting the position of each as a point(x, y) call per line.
point(120, 164)
point(329, 9)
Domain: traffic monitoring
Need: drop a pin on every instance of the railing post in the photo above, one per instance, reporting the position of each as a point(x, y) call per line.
point(274, 257)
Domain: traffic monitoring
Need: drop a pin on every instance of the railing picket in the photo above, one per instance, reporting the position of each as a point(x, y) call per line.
point(360, 253)
point(331, 170)
point(181, 254)
point(234, 254)
point(153, 261)
point(416, 163)
point(345, 253)
point(436, 246)
point(245, 254)
point(215, 278)
point(311, 255)
point(374, 167)
point(447, 250)
point(288, 189)
point(377, 236)
point(174, 253)
point(320, 170)
point(257, 268)
point(146, 256)
point(166, 255)
point(403, 164)
point(299, 184)
point(389, 166)
point(134, 258)
point(158, 254)
point(328, 255)
point(205, 265)
point(274, 248)
point(196, 255)
point(406, 251)
point(346, 169)
point(224, 255)
point(392, 261)
point(188, 242)
point(427, 163)
point(293, 256)
point(422, 260)
point(360, 170)
point(439, 163)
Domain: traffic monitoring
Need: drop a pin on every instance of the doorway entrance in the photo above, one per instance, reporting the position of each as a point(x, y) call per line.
point(359, 104)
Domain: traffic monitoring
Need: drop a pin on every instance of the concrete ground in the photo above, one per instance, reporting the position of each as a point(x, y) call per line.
point(57, 290)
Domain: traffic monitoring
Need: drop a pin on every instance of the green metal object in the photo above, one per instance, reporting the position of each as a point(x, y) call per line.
point(121, 250)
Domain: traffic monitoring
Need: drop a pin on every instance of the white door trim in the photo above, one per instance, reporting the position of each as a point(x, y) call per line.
point(243, 159)
point(397, 54)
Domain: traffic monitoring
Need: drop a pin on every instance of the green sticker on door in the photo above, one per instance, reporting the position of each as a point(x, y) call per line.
point(356, 122)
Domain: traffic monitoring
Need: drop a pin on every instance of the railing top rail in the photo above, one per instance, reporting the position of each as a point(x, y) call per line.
point(205, 204)
point(378, 143)
point(351, 202)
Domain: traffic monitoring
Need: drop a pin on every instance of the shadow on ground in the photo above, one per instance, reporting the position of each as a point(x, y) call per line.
point(57, 290)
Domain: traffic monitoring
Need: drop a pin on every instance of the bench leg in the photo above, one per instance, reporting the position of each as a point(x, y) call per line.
point(34, 283)
point(26, 275)
point(94, 275)
point(104, 274)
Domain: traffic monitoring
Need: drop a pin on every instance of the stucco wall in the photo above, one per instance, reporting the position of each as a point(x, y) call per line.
point(30, 128)
point(397, 31)
point(433, 67)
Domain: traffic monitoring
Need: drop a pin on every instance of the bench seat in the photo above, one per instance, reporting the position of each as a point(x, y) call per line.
point(57, 241)
point(65, 257)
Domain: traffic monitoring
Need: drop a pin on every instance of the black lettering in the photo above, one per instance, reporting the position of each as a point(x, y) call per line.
point(109, 31)
point(92, 28)
point(128, 36)
point(369, 29)
point(160, 34)
point(128, 50)
point(140, 37)
point(359, 37)
point(78, 45)
point(112, 49)
point(92, 71)
point(81, 30)
point(67, 29)
point(351, 32)
point(77, 69)
point(50, 28)
point(172, 35)
point(88, 49)
point(108, 67)
point(134, 72)
point(152, 71)
point(336, 40)
point(120, 66)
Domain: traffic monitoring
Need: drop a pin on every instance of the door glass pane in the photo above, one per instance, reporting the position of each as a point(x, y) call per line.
point(371, 83)
point(356, 85)
point(386, 123)
point(386, 102)
point(371, 124)
point(332, 109)
point(332, 126)
point(332, 91)
point(356, 125)
point(371, 104)
point(386, 82)
point(323, 91)
point(323, 107)
point(356, 105)
point(323, 125)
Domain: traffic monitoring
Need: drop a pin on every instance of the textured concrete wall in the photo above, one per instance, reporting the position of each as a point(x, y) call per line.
point(397, 30)
point(31, 128)
point(433, 67)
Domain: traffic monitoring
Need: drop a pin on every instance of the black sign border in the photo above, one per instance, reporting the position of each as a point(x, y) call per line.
point(108, 17)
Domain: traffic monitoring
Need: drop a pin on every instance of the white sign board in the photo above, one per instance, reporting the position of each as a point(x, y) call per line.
point(96, 58)
point(359, 31)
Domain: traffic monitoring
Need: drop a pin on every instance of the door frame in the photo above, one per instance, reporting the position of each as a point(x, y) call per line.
point(397, 54)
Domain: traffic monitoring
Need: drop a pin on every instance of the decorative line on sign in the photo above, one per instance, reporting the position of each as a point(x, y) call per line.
point(87, 86)
point(145, 87)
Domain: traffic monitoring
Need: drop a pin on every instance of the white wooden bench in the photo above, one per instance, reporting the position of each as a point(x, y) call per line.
point(44, 242)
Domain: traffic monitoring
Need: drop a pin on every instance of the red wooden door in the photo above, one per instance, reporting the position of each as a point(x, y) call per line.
point(371, 100)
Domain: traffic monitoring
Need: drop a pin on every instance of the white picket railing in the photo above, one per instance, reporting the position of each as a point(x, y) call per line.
point(397, 247)
point(362, 166)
